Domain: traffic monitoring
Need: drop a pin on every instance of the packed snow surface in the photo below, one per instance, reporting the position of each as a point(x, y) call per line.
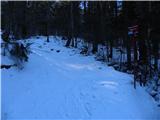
point(59, 83)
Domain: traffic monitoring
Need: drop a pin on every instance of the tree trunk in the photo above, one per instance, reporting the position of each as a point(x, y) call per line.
point(128, 39)
point(95, 47)
point(71, 27)
point(47, 21)
point(135, 50)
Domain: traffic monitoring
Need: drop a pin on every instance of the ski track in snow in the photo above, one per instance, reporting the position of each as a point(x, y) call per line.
point(65, 85)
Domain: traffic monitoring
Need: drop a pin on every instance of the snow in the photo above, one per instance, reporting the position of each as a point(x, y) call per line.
point(67, 85)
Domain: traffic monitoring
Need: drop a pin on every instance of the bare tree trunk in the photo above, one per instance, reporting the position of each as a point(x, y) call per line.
point(69, 38)
point(135, 49)
point(107, 51)
point(71, 28)
point(95, 47)
point(72, 24)
point(149, 41)
point(128, 52)
point(47, 20)
point(111, 49)
point(75, 42)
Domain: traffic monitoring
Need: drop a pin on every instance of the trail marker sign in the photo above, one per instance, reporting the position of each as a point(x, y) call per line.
point(133, 30)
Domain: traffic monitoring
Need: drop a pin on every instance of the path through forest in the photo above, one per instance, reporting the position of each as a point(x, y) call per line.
point(59, 83)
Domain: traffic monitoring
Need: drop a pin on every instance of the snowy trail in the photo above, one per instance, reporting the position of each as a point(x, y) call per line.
point(60, 85)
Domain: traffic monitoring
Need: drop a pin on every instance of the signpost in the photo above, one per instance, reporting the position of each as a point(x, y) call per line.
point(133, 30)
point(133, 33)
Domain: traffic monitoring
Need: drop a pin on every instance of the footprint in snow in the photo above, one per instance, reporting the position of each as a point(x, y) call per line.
point(4, 116)
point(66, 115)
point(115, 92)
point(100, 68)
point(93, 96)
point(11, 75)
point(81, 94)
point(57, 51)
point(94, 88)
point(87, 108)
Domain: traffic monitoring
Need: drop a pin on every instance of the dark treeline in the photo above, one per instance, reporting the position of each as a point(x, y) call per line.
point(98, 22)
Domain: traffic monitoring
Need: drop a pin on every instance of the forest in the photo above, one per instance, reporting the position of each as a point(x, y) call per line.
point(124, 35)
point(131, 27)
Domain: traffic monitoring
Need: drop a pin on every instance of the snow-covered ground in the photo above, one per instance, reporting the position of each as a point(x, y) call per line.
point(62, 84)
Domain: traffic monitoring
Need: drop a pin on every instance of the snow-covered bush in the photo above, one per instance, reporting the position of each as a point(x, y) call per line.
point(19, 53)
point(153, 87)
point(84, 50)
